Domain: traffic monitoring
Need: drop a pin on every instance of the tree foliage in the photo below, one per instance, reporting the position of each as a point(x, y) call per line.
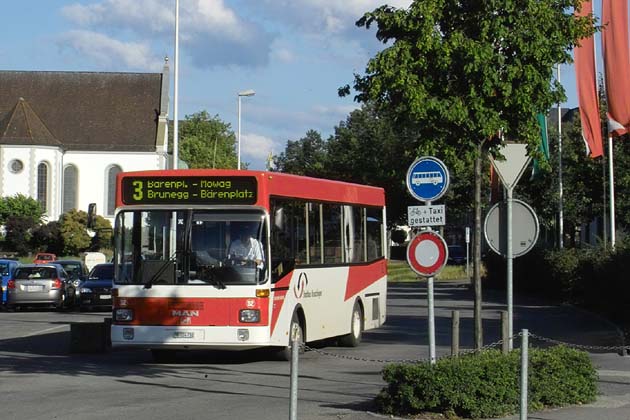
point(19, 233)
point(207, 142)
point(306, 156)
point(462, 72)
point(22, 206)
point(72, 226)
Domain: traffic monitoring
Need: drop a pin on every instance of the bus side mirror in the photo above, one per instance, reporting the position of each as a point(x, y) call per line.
point(91, 216)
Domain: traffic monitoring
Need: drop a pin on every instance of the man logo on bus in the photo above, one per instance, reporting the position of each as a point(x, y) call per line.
point(429, 177)
point(300, 286)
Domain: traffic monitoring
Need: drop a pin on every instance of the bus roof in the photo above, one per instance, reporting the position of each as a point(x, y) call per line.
point(276, 184)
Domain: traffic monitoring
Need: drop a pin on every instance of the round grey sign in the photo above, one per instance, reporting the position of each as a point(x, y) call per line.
point(524, 228)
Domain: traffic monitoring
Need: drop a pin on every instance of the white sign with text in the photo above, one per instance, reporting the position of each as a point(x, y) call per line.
point(434, 215)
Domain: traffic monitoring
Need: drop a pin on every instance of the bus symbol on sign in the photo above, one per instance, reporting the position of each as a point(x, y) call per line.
point(419, 178)
point(427, 179)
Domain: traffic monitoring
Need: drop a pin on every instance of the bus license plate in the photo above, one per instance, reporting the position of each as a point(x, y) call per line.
point(184, 334)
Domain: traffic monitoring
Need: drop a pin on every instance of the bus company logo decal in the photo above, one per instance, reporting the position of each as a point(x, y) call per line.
point(300, 286)
point(184, 313)
point(250, 303)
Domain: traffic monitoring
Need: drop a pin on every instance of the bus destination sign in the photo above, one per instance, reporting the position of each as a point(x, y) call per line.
point(189, 190)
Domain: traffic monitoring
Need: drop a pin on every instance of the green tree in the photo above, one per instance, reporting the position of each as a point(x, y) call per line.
point(47, 238)
point(20, 205)
point(461, 72)
point(72, 227)
point(306, 156)
point(18, 234)
point(207, 142)
point(104, 233)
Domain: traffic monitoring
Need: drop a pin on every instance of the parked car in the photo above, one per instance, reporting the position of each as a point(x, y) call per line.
point(456, 254)
point(96, 291)
point(77, 271)
point(40, 284)
point(6, 270)
point(44, 258)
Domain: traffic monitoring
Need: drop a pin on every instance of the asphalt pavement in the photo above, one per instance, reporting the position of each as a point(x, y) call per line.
point(334, 383)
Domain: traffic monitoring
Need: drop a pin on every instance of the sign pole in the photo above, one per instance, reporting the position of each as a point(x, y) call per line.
point(431, 320)
point(431, 314)
point(510, 260)
point(427, 180)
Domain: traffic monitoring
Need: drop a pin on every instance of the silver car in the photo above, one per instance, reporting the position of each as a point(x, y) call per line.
point(40, 284)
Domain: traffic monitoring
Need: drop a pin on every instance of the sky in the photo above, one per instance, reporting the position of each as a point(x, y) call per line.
point(294, 54)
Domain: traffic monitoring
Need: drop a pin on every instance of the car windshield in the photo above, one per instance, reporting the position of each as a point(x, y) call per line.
point(105, 271)
point(203, 247)
point(33, 273)
point(72, 268)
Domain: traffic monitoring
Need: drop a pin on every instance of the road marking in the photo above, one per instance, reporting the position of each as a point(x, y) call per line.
point(41, 331)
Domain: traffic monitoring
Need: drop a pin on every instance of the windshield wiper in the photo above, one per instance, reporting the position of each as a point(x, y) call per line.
point(162, 269)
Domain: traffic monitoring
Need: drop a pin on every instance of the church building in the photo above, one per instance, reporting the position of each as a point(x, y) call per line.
point(65, 135)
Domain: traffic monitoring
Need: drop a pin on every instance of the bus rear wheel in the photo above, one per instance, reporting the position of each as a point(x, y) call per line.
point(356, 328)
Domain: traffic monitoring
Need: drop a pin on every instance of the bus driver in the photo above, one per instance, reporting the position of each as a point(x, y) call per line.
point(246, 249)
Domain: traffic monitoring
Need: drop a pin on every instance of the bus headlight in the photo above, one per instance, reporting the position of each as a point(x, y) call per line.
point(249, 315)
point(124, 315)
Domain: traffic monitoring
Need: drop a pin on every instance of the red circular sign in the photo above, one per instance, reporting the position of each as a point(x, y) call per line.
point(427, 253)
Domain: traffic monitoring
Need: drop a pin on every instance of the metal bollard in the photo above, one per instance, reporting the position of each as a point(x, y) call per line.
point(295, 352)
point(505, 346)
point(524, 356)
point(455, 334)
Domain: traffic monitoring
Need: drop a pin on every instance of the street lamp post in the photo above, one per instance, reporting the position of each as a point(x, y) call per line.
point(248, 92)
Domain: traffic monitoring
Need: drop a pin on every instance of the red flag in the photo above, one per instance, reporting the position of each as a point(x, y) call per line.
point(616, 62)
point(587, 89)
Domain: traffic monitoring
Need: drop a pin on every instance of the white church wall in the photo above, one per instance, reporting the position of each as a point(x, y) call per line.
point(24, 181)
point(93, 168)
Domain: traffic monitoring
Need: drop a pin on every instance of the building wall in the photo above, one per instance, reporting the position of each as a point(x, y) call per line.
point(92, 170)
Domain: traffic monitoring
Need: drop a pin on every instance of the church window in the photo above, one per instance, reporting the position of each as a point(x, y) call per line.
point(70, 187)
point(42, 185)
point(16, 166)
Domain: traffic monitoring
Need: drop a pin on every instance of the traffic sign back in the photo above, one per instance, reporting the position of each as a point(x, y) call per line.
point(427, 178)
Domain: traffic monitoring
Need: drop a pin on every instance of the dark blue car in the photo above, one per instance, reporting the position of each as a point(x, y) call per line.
point(96, 291)
point(7, 267)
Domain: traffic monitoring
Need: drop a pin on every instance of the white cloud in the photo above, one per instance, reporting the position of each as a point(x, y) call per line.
point(257, 146)
point(324, 15)
point(210, 31)
point(109, 52)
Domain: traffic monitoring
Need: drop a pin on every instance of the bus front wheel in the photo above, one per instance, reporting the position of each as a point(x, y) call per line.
point(295, 328)
point(356, 328)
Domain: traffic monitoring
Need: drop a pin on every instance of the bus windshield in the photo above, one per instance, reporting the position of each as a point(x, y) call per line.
point(190, 247)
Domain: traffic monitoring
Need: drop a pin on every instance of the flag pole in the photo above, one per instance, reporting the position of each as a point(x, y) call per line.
point(560, 189)
point(611, 187)
point(176, 91)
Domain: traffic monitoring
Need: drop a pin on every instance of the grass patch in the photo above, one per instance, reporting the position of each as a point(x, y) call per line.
point(399, 271)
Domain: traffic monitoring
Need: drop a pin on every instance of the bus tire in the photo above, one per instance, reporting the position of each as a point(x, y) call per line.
point(356, 328)
point(285, 352)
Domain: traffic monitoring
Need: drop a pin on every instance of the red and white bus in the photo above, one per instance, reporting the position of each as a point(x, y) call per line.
point(178, 286)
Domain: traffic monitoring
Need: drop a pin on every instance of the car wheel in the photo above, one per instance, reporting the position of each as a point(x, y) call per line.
point(356, 328)
point(294, 328)
point(61, 305)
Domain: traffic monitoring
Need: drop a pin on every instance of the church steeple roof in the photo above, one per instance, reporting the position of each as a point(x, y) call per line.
point(22, 126)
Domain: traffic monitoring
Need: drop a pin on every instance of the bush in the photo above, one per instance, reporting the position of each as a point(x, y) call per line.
point(487, 384)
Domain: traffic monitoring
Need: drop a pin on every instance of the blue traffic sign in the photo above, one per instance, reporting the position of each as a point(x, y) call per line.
point(427, 178)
